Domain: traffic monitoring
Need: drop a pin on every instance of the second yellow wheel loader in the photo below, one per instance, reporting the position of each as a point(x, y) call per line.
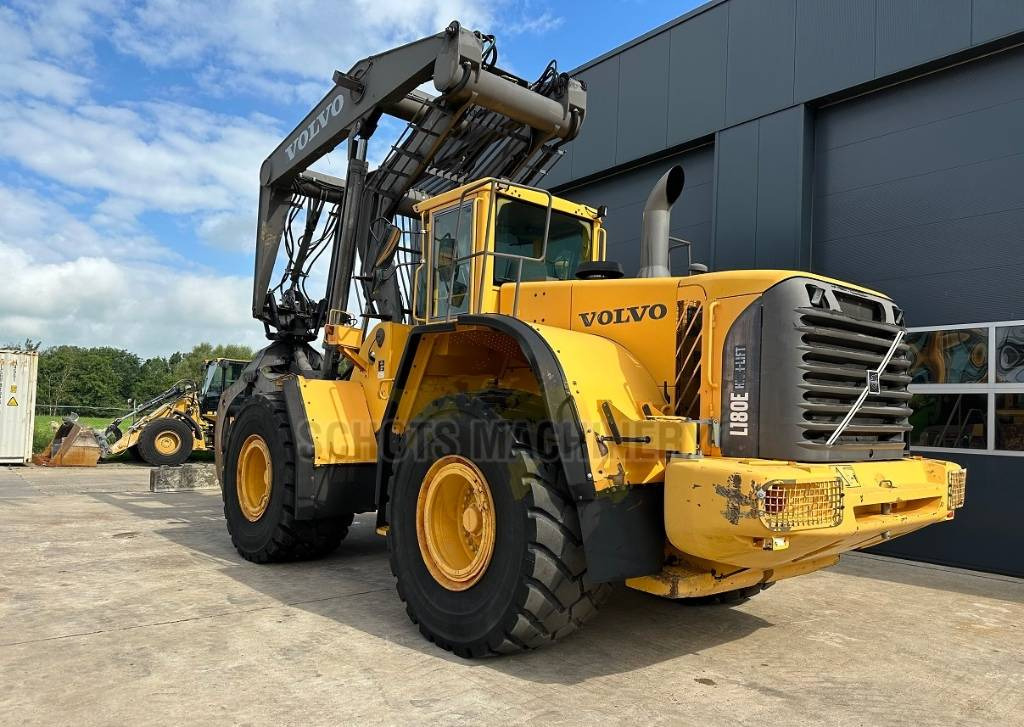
point(529, 424)
point(166, 429)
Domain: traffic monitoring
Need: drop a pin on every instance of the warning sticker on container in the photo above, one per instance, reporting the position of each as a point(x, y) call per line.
point(12, 402)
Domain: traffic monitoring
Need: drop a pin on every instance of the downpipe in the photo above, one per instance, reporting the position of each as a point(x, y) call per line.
point(654, 242)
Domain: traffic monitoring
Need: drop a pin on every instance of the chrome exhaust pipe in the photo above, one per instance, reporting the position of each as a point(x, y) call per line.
point(654, 242)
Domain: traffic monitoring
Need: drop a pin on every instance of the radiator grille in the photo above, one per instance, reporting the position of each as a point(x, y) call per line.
point(792, 505)
point(837, 348)
point(688, 351)
point(957, 489)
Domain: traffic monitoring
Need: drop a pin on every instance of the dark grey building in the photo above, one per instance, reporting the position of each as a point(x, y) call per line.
point(875, 141)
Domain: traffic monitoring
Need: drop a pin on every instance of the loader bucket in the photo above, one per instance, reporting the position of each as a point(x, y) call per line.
point(72, 446)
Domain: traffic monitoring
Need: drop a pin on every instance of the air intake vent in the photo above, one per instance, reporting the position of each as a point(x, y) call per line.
point(688, 350)
point(818, 342)
point(837, 350)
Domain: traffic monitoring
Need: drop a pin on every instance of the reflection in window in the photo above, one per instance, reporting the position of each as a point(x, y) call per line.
point(519, 230)
point(1010, 422)
point(949, 420)
point(1010, 355)
point(949, 357)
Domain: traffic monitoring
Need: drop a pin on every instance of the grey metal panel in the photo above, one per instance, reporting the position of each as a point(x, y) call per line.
point(995, 18)
point(983, 535)
point(835, 45)
point(561, 172)
point(643, 99)
point(735, 228)
point(759, 78)
point(696, 84)
point(625, 193)
point(930, 209)
point(594, 148)
point(780, 189)
point(945, 144)
point(910, 32)
point(991, 82)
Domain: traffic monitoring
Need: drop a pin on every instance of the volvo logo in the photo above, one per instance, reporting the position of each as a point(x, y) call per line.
point(315, 127)
point(629, 314)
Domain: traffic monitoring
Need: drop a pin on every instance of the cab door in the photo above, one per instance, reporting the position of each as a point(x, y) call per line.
point(445, 282)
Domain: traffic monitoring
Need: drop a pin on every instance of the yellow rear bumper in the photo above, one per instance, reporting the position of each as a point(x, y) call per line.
point(767, 514)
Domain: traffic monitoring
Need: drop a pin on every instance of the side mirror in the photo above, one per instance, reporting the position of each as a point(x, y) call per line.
point(391, 237)
point(698, 268)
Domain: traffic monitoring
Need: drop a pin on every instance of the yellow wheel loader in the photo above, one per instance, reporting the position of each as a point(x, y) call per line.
point(529, 424)
point(166, 429)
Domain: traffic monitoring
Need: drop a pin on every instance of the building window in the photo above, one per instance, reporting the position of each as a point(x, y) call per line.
point(967, 384)
point(1010, 354)
point(958, 356)
point(950, 421)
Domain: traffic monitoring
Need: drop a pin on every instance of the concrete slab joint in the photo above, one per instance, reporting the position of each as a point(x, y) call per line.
point(182, 478)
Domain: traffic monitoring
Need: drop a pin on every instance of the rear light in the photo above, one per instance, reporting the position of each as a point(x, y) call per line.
point(957, 488)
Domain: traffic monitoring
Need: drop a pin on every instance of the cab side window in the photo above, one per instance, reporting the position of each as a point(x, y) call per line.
point(452, 242)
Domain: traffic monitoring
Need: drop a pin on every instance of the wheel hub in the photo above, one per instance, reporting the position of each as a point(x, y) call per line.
point(253, 477)
point(455, 522)
point(167, 442)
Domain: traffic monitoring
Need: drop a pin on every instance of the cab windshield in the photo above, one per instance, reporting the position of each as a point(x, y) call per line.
point(519, 230)
point(208, 381)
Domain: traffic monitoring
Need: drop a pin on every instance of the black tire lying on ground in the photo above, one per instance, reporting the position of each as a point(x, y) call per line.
point(166, 441)
point(535, 588)
point(272, 534)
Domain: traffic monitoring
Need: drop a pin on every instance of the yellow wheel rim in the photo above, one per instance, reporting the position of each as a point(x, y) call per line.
point(253, 477)
point(455, 522)
point(167, 442)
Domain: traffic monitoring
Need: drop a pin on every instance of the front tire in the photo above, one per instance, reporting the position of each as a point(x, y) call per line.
point(259, 490)
point(534, 588)
point(165, 442)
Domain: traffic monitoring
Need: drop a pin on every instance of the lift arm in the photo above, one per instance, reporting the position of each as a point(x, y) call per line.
point(483, 122)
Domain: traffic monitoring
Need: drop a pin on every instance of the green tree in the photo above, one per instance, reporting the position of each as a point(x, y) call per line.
point(191, 365)
point(89, 379)
point(155, 376)
point(27, 345)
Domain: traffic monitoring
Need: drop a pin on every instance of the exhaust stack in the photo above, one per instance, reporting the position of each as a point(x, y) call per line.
point(654, 262)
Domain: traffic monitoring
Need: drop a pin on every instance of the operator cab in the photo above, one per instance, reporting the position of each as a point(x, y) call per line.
point(220, 374)
point(491, 233)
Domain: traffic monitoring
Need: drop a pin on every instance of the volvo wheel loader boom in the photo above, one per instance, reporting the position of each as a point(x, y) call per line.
point(529, 424)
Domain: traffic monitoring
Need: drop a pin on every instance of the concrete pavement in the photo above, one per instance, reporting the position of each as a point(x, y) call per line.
point(118, 605)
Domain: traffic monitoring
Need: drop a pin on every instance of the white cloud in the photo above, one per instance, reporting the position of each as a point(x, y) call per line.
point(303, 39)
point(79, 266)
point(66, 282)
point(166, 156)
point(99, 301)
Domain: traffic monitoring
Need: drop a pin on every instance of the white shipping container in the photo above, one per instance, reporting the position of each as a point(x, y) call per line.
point(18, 374)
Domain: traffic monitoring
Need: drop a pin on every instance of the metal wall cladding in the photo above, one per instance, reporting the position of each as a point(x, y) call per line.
point(18, 374)
point(761, 218)
point(984, 535)
point(917, 192)
point(733, 61)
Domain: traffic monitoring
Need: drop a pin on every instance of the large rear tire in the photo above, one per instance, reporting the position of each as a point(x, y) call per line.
point(533, 588)
point(259, 490)
point(165, 442)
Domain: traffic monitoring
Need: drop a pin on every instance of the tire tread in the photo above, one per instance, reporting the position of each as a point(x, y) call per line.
point(293, 539)
point(555, 597)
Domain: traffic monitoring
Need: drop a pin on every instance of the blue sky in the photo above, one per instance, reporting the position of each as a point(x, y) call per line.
point(131, 135)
